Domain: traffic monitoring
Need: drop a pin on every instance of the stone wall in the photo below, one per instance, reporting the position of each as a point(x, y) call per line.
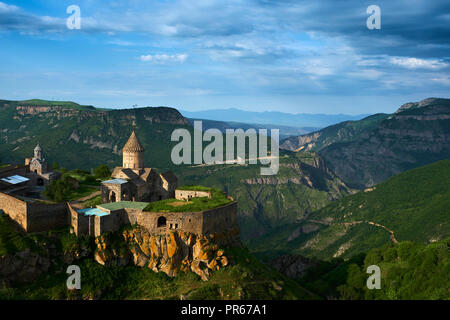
point(94, 225)
point(188, 194)
point(108, 223)
point(121, 192)
point(79, 222)
point(179, 221)
point(16, 209)
point(34, 217)
point(133, 160)
point(168, 184)
point(220, 219)
point(214, 221)
point(44, 217)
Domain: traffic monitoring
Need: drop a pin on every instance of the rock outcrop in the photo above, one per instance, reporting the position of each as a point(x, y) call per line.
point(170, 253)
point(22, 266)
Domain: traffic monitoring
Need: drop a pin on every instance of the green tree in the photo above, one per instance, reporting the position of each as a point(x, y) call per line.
point(390, 254)
point(59, 190)
point(55, 165)
point(102, 172)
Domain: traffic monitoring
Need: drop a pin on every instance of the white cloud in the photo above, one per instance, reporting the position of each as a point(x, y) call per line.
point(442, 80)
point(416, 63)
point(163, 58)
point(7, 8)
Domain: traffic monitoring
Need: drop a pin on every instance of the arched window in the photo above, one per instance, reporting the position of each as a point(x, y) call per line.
point(161, 222)
point(113, 196)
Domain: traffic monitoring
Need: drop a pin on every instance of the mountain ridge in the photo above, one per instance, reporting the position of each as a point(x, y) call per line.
point(369, 151)
point(83, 137)
point(410, 206)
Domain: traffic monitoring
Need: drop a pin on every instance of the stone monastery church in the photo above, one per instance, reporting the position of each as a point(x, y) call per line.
point(134, 182)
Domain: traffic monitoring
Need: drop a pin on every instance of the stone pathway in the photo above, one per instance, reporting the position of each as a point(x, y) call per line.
point(77, 204)
point(391, 232)
point(92, 195)
point(392, 235)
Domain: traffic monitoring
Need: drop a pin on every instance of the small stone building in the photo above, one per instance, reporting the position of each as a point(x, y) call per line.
point(189, 194)
point(134, 182)
point(39, 173)
point(20, 188)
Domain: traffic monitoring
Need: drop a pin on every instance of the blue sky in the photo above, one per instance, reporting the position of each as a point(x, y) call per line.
point(291, 56)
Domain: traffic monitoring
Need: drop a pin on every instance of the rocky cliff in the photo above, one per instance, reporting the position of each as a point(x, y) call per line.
point(22, 266)
point(170, 253)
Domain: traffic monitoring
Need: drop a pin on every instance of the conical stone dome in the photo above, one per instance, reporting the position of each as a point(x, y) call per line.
point(133, 144)
point(133, 153)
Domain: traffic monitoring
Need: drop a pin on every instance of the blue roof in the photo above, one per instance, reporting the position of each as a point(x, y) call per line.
point(116, 181)
point(92, 212)
point(15, 179)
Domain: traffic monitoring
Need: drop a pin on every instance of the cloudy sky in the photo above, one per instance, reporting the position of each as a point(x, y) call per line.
point(293, 56)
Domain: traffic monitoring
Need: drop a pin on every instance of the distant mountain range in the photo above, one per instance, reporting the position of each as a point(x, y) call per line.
point(369, 151)
point(284, 131)
point(299, 120)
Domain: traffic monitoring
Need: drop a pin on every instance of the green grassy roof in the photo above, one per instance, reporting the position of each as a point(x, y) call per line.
point(123, 205)
point(218, 199)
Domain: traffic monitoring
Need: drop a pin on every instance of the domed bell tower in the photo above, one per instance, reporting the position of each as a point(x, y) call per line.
point(38, 152)
point(133, 153)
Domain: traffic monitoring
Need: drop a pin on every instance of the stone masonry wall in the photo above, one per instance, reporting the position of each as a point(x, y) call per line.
point(187, 194)
point(79, 222)
point(220, 219)
point(34, 217)
point(179, 221)
point(15, 208)
point(44, 217)
point(108, 223)
point(214, 221)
